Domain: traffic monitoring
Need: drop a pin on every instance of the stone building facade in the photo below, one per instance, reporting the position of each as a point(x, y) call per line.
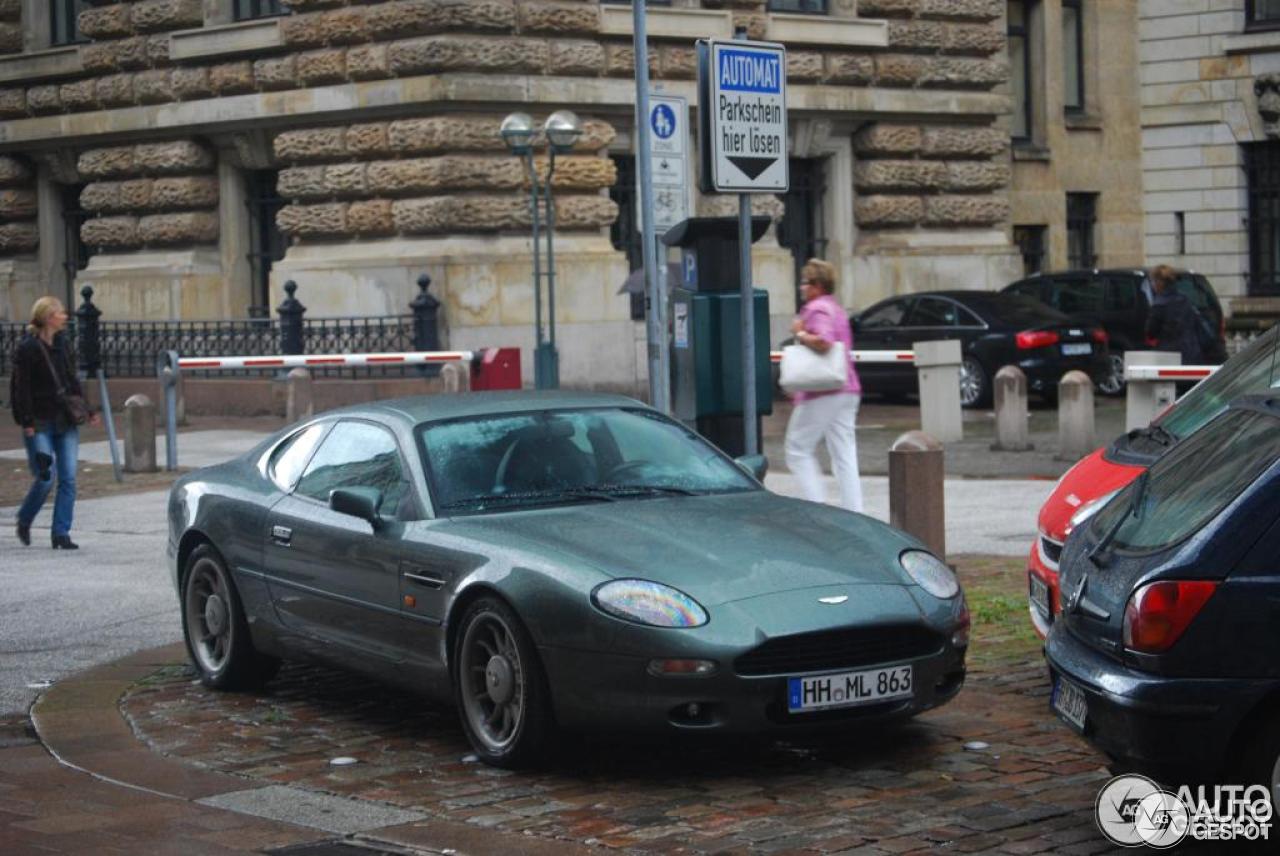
point(187, 157)
point(1211, 145)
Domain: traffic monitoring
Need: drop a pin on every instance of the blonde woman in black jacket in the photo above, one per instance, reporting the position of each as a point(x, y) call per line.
point(42, 367)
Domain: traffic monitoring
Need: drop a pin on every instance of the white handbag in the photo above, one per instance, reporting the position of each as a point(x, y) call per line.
point(805, 370)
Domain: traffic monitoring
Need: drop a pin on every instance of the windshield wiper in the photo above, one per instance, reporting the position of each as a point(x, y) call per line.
point(517, 497)
point(1096, 555)
point(1161, 436)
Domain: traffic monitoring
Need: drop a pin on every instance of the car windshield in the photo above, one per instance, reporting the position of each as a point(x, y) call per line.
point(1189, 487)
point(557, 456)
point(1253, 370)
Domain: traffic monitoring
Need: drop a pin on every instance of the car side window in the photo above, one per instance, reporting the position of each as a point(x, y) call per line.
point(291, 456)
point(889, 314)
point(1079, 295)
point(1186, 286)
point(934, 312)
point(1122, 293)
point(357, 454)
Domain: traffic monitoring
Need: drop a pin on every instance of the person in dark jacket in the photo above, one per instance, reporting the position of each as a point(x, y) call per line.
point(42, 363)
point(1171, 324)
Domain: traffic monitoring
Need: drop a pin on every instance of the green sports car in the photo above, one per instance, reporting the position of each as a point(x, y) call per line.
point(553, 561)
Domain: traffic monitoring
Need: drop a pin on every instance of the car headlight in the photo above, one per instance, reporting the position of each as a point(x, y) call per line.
point(930, 573)
point(645, 602)
point(1090, 508)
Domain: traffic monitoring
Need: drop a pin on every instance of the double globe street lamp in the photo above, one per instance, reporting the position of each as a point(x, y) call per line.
point(561, 131)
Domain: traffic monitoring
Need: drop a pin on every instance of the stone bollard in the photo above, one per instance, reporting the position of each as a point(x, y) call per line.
point(139, 435)
point(1075, 416)
point(1145, 400)
point(454, 377)
point(298, 401)
point(938, 364)
point(1011, 411)
point(916, 491)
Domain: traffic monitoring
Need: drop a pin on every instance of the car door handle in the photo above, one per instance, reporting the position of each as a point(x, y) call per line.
point(281, 535)
point(426, 579)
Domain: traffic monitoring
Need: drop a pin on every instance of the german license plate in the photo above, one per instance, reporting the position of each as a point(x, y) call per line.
point(848, 689)
point(1070, 703)
point(1040, 596)
point(1076, 349)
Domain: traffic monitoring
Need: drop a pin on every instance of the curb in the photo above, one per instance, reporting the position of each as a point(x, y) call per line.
point(80, 724)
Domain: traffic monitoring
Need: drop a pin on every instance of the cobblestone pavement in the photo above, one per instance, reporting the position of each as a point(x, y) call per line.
point(1022, 784)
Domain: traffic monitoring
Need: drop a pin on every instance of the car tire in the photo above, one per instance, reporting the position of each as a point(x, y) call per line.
point(1258, 762)
point(215, 628)
point(501, 688)
point(1113, 383)
point(975, 385)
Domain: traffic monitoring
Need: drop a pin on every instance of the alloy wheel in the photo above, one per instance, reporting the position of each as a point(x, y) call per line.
point(1113, 383)
point(493, 681)
point(209, 617)
point(971, 382)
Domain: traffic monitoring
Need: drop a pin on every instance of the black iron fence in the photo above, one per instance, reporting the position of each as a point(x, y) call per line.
point(131, 348)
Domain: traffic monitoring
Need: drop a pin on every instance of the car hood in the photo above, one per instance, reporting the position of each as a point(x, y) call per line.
point(1092, 477)
point(715, 548)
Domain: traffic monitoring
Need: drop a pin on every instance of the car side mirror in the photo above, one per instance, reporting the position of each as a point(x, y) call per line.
point(362, 502)
point(754, 465)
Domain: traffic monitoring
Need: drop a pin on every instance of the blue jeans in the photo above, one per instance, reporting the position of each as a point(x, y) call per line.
point(63, 448)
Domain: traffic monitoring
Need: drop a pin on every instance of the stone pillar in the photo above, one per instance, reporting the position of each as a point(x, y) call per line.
point(916, 490)
point(938, 364)
point(1145, 400)
point(1075, 416)
point(1011, 411)
point(298, 401)
point(139, 435)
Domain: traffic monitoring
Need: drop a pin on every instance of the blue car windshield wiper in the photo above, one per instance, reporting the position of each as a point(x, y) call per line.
point(524, 496)
point(1162, 436)
point(1096, 555)
point(641, 490)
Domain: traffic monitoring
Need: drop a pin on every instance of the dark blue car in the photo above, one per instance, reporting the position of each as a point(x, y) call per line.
point(1167, 654)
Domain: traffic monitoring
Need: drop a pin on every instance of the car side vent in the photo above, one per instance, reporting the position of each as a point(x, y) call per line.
point(838, 649)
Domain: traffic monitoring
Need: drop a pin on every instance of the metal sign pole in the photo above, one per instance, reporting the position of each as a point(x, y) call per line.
point(751, 438)
point(168, 380)
point(644, 176)
point(109, 420)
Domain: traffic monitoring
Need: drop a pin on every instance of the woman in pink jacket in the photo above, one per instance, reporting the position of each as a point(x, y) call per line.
point(822, 322)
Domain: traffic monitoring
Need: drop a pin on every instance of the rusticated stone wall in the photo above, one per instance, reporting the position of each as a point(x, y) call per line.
point(10, 26)
point(149, 195)
point(944, 176)
point(948, 44)
point(19, 233)
point(442, 174)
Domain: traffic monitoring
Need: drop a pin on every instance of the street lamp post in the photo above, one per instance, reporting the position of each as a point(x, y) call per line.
point(561, 130)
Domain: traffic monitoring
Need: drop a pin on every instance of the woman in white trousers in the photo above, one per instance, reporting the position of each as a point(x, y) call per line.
point(829, 416)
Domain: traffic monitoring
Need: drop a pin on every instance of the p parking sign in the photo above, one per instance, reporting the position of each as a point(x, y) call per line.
point(742, 109)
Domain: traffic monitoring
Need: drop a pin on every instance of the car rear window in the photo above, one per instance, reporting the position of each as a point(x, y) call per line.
point(1189, 286)
point(1018, 311)
point(1192, 484)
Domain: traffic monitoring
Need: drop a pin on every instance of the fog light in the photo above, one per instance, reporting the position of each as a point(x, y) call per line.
point(688, 668)
point(960, 636)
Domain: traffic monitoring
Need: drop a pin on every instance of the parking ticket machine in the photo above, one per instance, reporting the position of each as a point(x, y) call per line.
point(705, 331)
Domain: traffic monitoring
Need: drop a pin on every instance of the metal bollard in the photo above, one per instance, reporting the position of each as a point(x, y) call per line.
point(168, 374)
point(1145, 401)
point(916, 490)
point(1011, 411)
point(139, 435)
point(938, 364)
point(1075, 416)
point(299, 403)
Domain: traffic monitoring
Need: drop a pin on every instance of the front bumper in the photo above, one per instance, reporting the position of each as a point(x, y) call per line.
point(597, 691)
point(1039, 568)
point(1166, 726)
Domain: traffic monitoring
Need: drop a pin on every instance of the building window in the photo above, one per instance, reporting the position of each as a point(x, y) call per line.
point(1263, 13)
point(802, 229)
point(1020, 70)
point(267, 244)
point(1262, 171)
point(247, 10)
point(64, 28)
point(625, 231)
point(1072, 56)
point(807, 7)
point(1082, 217)
point(1180, 233)
point(1030, 242)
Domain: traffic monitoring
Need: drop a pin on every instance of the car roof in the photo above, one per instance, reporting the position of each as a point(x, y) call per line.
point(431, 408)
point(1133, 271)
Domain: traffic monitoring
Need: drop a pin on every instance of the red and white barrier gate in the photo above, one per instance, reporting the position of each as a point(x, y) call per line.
point(1147, 373)
point(865, 356)
point(294, 361)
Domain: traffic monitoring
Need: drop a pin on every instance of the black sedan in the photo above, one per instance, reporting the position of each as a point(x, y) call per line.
point(1165, 653)
point(995, 330)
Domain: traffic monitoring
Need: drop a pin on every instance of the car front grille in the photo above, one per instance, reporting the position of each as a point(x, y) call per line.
point(1052, 549)
point(848, 648)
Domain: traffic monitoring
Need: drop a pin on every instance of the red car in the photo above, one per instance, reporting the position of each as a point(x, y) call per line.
point(1088, 485)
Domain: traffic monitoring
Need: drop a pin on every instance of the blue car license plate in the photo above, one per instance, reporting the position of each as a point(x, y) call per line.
point(848, 689)
point(1077, 349)
point(1069, 702)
